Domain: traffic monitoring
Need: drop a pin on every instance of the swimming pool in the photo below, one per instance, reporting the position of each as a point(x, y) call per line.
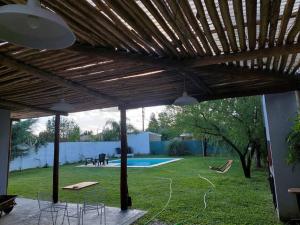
point(143, 162)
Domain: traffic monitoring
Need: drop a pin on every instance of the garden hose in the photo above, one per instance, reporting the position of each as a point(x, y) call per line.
point(204, 200)
point(166, 205)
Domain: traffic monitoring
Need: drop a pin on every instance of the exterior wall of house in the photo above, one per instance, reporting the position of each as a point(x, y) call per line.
point(154, 136)
point(279, 112)
point(76, 151)
point(4, 149)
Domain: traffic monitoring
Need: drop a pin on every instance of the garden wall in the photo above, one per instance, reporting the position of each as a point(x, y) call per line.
point(193, 147)
point(75, 151)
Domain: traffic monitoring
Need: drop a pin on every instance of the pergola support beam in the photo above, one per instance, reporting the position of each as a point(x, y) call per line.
point(5, 133)
point(125, 199)
point(56, 159)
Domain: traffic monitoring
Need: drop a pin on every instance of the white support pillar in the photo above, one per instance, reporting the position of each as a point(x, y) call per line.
point(279, 113)
point(4, 149)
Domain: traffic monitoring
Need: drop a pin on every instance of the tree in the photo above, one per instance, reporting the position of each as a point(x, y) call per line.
point(69, 130)
point(112, 130)
point(23, 139)
point(153, 125)
point(237, 122)
point(165, 124)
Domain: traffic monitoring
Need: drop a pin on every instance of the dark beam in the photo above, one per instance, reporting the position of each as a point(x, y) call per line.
point(25, 106)
point(172, 64)
point(56, 159)
point(47, 76)
point(125, 199)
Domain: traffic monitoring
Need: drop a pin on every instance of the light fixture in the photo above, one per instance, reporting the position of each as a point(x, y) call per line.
point(185, 99)
point(62, 106)
point(34, 27)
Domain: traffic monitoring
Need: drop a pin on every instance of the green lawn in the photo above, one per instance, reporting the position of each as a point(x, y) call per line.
point(235, 200)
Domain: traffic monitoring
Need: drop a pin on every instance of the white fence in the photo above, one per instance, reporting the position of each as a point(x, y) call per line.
point(76, 151)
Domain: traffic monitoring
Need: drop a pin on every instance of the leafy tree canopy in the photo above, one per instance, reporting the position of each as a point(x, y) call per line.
point(69, 130)
point(112, 130)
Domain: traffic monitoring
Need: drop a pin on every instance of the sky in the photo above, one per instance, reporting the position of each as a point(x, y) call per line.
point(95, 119)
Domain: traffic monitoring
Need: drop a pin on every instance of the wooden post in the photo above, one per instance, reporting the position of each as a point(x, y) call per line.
point(56, 159)
point(204, 142)
point(9, 149)
point(125, 199)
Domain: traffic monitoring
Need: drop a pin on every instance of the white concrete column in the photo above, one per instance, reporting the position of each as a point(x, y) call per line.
point(279, 113)
point(4, 149)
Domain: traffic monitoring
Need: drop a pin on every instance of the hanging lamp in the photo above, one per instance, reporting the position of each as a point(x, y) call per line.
point(62, 106)
point(34, 27)
point(185, 99)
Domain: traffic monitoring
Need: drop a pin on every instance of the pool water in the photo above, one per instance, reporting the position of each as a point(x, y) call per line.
point(144, 162)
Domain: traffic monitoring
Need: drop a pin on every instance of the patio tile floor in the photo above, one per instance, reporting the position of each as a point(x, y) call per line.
point(26, 212)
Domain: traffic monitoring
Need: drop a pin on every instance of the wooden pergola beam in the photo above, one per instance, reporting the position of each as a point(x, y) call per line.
point(55, 178)
point(22, 106)
point(47, 76)
point(124, 197)
point(172, 64)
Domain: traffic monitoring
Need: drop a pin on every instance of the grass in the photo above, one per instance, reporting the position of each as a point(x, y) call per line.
point(235, 200)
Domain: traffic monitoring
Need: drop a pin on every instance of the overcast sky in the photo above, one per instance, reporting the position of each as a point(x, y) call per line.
point(95, 119)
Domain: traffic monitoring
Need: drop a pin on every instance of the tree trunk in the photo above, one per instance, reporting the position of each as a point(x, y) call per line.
point(246, 167)
point(258, 155)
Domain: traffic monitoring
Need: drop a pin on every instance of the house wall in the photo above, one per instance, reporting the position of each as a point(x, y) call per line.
point(4, 149)
point(154, 137)
point(76, 151)
point(279, 113)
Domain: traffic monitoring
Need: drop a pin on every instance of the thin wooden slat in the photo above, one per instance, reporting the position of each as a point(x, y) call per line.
point(211, 8)
point(274, 15)
point(140, 15)
point(180, 19)
point(132, 35)
point(165, 11)
point(283, 27)
point(251, 21)
point(228, 24)
point(202, 18)
point(290, 39)
point(186, 8)
point(53, 78)
point(264, 22)
point(149, 5)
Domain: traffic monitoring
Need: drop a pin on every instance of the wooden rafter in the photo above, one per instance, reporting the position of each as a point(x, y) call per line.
point(30, 107)
point(188, 63)
point(19, 65)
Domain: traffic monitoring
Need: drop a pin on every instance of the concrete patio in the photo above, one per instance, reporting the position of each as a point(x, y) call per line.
point(26, 212)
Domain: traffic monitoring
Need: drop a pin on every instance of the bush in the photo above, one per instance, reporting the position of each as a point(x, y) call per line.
point(293, 141)
point(177, 148)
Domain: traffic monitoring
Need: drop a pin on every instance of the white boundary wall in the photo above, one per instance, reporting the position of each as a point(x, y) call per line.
point(76, 151)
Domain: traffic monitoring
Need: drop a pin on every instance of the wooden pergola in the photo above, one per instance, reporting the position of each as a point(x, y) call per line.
point(137, 53)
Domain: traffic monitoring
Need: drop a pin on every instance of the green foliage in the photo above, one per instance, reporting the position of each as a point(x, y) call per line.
point(165, 124)
point(153, 125)
point(112, 130)
point(293, 140)
point(234, 123)
point(177, 148)
point(23, 139)
point(69, 130)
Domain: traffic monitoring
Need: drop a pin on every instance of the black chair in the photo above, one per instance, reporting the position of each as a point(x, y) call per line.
point(101, 159)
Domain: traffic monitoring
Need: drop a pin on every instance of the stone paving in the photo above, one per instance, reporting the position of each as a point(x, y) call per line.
point(26, 212)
